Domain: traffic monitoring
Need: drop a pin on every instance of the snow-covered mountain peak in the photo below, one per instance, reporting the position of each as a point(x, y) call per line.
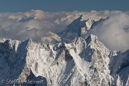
point(27, 58)
point(69, 60)
point(89, 23)
point(94, 43)
point(75, 29)
point(81, 62)
point(78, 28)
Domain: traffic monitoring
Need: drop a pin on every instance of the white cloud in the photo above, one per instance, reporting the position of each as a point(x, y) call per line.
point(36, 24)
point(33, 24)
point(114, 32)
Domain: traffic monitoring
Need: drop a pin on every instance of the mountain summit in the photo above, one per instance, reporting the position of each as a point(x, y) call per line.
point(83, 62)
point(75, 29)
point(78, 28)
point(65, 59)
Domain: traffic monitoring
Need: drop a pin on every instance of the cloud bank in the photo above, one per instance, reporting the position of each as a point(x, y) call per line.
point(114, 32)
point(35, 24)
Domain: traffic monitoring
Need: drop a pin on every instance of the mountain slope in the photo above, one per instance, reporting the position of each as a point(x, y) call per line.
point(78, 28)
point(82, 62)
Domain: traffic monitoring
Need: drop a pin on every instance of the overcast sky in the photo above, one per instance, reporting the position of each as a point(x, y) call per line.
point(62, 5)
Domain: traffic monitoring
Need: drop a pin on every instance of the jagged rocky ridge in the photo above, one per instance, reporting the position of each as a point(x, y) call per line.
point(74, 61)
point(78, 28)
point(84, 62)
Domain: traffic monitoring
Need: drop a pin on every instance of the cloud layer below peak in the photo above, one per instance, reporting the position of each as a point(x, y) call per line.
point(35, 24)
point(114, 32)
